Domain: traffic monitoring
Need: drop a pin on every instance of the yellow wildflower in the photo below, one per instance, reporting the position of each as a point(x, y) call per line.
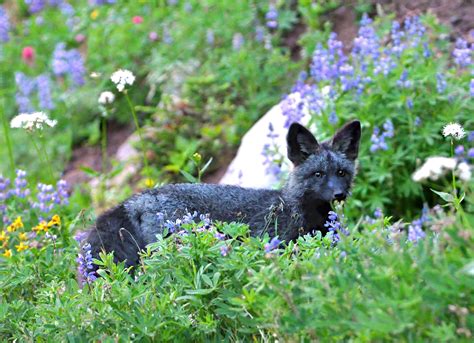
point(20, 247)
point(54, 221)
point(149, 182)
point(18, 223)
point(41, 227)
point(7, 253)
point(3, 236)
point(22, 236)
point(94, 14)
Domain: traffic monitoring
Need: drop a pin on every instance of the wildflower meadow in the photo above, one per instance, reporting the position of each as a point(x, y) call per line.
point(100, 100)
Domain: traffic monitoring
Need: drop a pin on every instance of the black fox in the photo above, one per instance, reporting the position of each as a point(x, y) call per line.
point(323, 172)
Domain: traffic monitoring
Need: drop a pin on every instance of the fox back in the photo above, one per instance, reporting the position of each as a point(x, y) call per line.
point(323, 172)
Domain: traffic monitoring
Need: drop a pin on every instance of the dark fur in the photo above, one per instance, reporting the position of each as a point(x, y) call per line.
point(300, 207)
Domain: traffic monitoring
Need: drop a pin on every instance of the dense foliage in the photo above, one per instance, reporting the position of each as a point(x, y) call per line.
point(194, 76)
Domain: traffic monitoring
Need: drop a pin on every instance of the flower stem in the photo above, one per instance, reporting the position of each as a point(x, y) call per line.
point(44, 155)
point(6, 131)
point(455, 193)
point(104, 145)
point(134, 114)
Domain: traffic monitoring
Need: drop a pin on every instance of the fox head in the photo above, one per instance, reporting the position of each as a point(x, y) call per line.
point(323, 171)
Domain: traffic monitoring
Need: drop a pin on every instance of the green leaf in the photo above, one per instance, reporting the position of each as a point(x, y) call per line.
point(445, 196)
point(188, 176)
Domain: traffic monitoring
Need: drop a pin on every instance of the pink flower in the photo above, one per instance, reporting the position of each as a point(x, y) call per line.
point(28, 55)
point(137, 20)
point(80, 38)
point(153, 36)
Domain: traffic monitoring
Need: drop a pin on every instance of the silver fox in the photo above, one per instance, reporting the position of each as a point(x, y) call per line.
point(323, 172)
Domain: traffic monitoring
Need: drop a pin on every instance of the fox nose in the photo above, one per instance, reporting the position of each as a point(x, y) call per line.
point(340, 196)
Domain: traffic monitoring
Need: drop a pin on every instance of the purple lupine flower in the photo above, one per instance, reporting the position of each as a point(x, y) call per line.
point(462, 53)
point(333, 118)
point(188, 218)
point(459, 150)
point(470, 153)
point(61, 195)
point(225, 250)
point(271, 132)
point(4, 25)
point(237, 41)
point(292, 109)
point(21, 185)
point(76, 67)
point(414, 30)
point(378, 213)
point(68, 11)
point(210, 37)
point(378, 141)
point(25, 88)
point(272, 166)
point(366, 44)
point(471, 88)
point(326, 63)
point(4, 195)
point(426, 50)
point(172, 2)
point(80, 236)
point(417, 121)
point(35, 6)
point(403, 82)
point(397, 35)
point(272, 245)
point(335, 227)
point(440, 83)
point(259, 34)
point(389, 129)
point(167, 39)
point(101, 2)
point(219, 236)
point(205, 221)
point(415, 233)
point(45, 199)
point(470, 136)
point(271, 16)
point(173, 226)
point(44, 92)
point(68, 62)
point(188, 7)
point(85, 267)
point(409, 103)
point(384, 65)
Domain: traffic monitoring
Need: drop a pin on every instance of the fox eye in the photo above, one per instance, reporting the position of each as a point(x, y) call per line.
point(318, 174)
point(341, 173)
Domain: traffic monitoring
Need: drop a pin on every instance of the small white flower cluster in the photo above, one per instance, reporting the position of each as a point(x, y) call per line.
point(32, 121)
point(437, 166)
point(106, 98)
point(454, 130)
point(121, 78)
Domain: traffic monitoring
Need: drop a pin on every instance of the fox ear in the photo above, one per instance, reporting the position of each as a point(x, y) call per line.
point(301, 143)
point(347, 139)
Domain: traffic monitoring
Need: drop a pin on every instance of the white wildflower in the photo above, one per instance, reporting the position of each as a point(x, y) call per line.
point(95, 75)
point(433, 168)
point(454, 130)
point(464, 171)
point(32, 121)
point(121, 78)
point(106, 98)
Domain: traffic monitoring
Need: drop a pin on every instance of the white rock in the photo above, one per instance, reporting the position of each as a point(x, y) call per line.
point(248, 169)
